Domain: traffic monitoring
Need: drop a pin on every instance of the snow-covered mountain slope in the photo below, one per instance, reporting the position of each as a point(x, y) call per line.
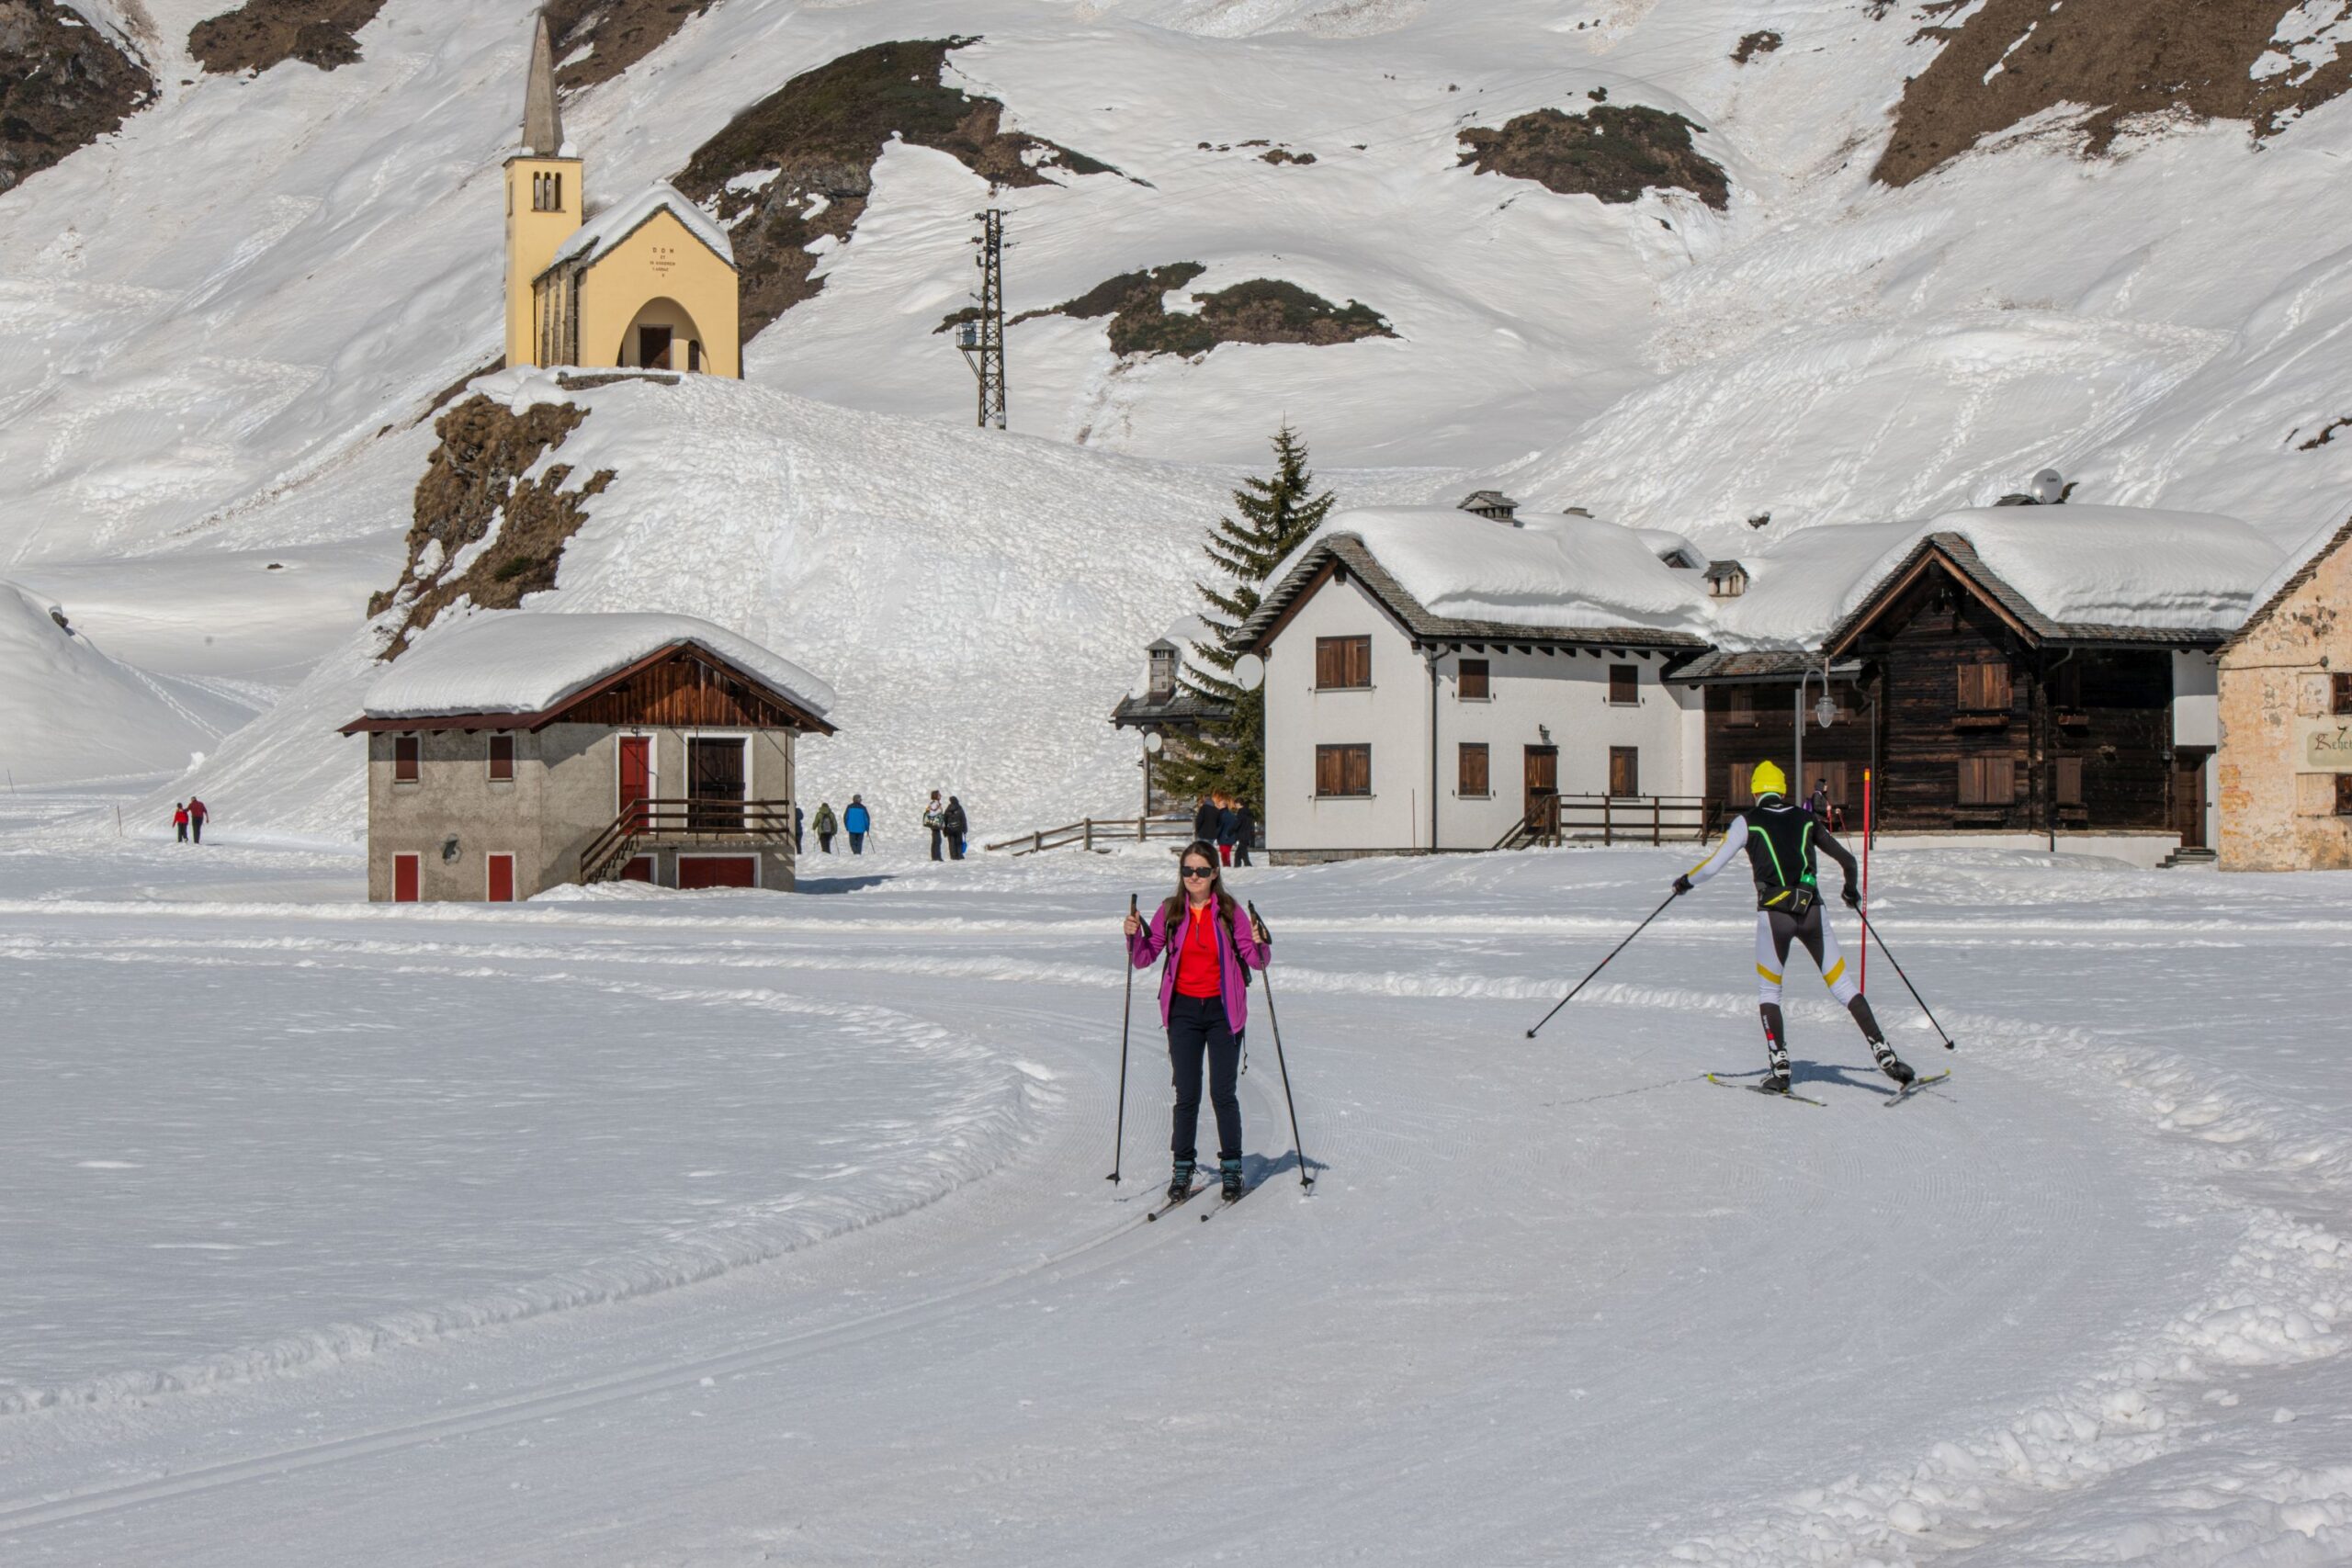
point(228, 322)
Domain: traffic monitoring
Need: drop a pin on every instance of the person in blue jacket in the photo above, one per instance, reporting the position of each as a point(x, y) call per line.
point(857, 820)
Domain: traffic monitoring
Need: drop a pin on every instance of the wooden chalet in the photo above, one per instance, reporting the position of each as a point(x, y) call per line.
point(526, 750)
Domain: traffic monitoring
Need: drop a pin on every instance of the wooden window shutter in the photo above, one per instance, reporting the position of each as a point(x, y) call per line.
point(1624, 684)
point(1359, 661)
point(1743, 707)
point(1327, 770)
point(1742, 797)
point(1988, 780)
point(1983, 688)
point(1473, 686)
point(1331, 663)
point(2343, 704)
point(1471, 776)
point(1358, 779)
point(407, 753)
point(2070, 781)
point(502, 756)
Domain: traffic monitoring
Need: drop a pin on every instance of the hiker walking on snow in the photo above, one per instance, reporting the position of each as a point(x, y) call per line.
point(1245, 829)
point(955, 824)
point(1228, 824)
point(1781, 841)
point(859, 821)
point(931, 816)
point(826, 826)
point(1203, 1000)
point(179, 818)
point(1205, 820)
point(197, 813)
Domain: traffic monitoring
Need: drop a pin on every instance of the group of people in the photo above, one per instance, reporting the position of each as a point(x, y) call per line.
point(187, 816)
point(948, 823)
point(1226, 823)
point(1206, 945)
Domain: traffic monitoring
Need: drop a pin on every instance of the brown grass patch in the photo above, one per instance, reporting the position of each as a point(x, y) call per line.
point(1610, 152)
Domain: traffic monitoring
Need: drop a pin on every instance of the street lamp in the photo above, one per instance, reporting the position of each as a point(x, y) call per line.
point(1825, 713)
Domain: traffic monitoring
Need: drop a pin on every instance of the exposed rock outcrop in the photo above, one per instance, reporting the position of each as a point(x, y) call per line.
point(1610, 151)
point(1259, 310)
point(63, 83)
point(263, 33)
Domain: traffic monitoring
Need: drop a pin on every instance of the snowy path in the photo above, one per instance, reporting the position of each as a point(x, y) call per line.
point(1552, 1303)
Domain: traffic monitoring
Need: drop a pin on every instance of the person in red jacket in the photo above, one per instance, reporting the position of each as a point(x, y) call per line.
point(179, 818)
point(1203, 1000)
point(196, 815)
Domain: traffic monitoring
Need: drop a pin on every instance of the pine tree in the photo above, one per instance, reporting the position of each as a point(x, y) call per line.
point(1276, 515)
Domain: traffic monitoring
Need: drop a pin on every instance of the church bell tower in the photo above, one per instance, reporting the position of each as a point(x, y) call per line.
point(543, 201)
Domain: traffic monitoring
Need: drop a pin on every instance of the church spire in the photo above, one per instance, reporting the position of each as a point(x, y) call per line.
point(542, 126)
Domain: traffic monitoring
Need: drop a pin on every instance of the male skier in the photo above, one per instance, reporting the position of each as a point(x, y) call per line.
point(1780, 841)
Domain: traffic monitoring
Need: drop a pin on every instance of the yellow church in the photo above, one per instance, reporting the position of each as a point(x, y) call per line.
point(648, 284)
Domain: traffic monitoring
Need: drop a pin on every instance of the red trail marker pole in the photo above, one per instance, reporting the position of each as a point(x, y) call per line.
point(1864, 982)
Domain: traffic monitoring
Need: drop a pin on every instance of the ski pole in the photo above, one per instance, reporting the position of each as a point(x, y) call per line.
point(1119, 1139)
point(1597, 968)
point(1305, 1181)
point(1907, 986)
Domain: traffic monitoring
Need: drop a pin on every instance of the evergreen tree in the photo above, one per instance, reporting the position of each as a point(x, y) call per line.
point(1276, 515)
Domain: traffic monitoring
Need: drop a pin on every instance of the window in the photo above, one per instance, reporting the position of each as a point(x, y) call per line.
point(1983, 688)
point(2070, 781)
point(547, 193)
point(2343, 788)
point(694, 354)
point(2343, 704)
point(2068, 694)
point(1987, 781)
point(1741, 713)
point(1473, 686)
point(1624, 686)
point(1342, 663)
point(1470, 771)
point(1342, 770)
point(1625, 771)
point(406, 752)
point(501, 759)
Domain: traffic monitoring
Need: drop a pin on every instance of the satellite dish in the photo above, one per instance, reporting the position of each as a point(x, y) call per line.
point(1250, 671)
point(1152, 743)
point(2049, 487)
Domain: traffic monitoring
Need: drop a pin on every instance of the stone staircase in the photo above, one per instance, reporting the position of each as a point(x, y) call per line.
point(2188, 857)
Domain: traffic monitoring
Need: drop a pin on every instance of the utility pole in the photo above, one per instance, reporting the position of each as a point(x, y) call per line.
point(983, 340)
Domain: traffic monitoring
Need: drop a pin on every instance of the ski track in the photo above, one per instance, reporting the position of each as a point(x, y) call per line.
point(2273, 1302)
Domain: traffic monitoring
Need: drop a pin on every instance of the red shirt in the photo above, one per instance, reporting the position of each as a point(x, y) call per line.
point(1200, 970)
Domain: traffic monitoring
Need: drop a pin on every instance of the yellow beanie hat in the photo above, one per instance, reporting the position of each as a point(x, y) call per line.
point(1768, 779)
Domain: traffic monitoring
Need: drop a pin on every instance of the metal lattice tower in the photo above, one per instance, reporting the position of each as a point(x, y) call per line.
point(982, 339)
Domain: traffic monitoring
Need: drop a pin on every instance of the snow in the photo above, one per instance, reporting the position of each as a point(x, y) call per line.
point(639, 1228)
point(1541, 570)
point(522, 662)
point(71, 711)
point(609, 227)
point(2122, 566)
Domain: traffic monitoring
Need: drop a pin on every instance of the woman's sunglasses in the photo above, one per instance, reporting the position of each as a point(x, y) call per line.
point(1194, 873)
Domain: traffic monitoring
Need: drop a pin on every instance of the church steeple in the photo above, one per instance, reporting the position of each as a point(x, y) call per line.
point(542, 124)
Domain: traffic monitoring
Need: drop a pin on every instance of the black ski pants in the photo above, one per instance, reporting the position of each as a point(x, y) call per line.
point(1197, 1027)
point(825, 842)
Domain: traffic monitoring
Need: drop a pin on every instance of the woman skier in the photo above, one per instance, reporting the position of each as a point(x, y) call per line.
point(1780, 841)
point(1205, 1004)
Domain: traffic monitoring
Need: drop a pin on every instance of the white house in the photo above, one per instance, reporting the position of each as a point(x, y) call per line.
point(1434, 676)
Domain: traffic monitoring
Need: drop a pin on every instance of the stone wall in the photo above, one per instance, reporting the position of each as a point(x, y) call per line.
point(2283, 744)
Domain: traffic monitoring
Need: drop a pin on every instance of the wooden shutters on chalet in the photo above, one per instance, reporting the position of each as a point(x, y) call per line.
point(1983, 688)
point(1474, 684)
point(714, 782)
point(1624, 686)
point(1741, 711)
point(2070, 781)
point(1342, 770)
point(1988, 780)
point(1471, 777)
point(1342, 663)
point(1625, 771)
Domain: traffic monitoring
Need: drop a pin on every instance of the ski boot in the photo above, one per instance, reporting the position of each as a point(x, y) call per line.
point(1180, 1185)
point(1776, 1081)
point(1890, 1064)
point(1230, 1170)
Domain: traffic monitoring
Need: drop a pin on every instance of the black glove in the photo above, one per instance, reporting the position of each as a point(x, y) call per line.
point(1852, 897)
point(1682, 886)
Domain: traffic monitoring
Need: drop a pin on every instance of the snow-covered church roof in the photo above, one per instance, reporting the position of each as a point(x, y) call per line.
point(601, 233)
point(528, 663)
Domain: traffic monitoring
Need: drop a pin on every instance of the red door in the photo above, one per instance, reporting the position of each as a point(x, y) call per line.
point(637, 772)
point(638, 869)
point(501, 879)
point(718, 870)
point(404, 877)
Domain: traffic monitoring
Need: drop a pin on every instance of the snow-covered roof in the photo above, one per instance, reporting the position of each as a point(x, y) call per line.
point(609, 227)
point(1551, 573)
point(528, 662)
point(1668, 546)
point(2122, 566)
point(2294, 568)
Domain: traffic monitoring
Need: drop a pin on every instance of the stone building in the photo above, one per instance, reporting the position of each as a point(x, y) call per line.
point(523, 750)
point(1165, 706)
point(2285, 712)
point(649, 283)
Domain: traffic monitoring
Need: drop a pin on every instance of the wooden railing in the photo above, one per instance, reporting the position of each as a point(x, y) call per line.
point(1611, 819)
point(1089, 832)
point(691, 819)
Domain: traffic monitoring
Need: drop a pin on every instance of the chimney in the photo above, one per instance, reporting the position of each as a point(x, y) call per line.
point(1491, 503)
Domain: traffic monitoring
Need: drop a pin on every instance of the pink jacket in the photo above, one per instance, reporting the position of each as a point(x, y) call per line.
point(1155, 938)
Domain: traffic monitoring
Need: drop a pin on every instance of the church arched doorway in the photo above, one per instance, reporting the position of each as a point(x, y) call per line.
point(663, 336)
